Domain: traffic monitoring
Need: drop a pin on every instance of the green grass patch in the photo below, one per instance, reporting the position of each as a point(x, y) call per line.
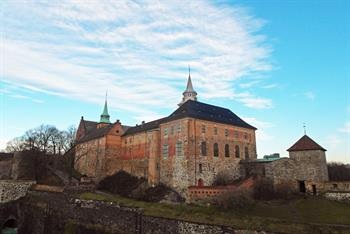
point(310, 215)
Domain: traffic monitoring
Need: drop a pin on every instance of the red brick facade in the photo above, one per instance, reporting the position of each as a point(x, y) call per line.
point(172, 153)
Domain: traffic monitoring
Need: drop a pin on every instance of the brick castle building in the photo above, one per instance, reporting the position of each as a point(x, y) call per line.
point(192, 147)
point(189, 147)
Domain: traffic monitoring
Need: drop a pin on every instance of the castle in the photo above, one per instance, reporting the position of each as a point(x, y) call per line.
point(190, 147)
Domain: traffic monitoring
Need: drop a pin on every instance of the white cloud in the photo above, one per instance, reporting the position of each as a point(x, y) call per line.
point(310, 95)
point(333, 141)
point(138, 51)
point(345, 128)
point(257, 103)
point(262, 134)
point(270, 86)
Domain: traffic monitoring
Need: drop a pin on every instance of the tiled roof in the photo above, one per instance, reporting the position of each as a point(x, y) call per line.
point(208, 112)
point(96, 133)
point(90, 125)
point(146, 126)
point(305, 143)
point(198, 110)
point(92, 132)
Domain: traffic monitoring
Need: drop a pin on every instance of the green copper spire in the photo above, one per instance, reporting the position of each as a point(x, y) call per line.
point(105, 116)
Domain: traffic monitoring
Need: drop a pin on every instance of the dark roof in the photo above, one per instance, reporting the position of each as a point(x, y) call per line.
point(305, 143)
point(146, 126)
point(198, 110)
point(208, 112)
point(96, 133)
point(90, 125)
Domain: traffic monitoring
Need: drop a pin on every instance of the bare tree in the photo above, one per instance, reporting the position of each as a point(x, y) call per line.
point(45, 138)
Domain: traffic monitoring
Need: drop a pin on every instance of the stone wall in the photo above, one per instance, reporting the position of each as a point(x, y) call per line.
point(5, 169)
point(308, 166)
point(338, 196)
point(194, 166)
point(41, 213)
point(11, 190)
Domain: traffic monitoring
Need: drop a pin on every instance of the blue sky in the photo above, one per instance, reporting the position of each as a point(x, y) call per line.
point(277, 64)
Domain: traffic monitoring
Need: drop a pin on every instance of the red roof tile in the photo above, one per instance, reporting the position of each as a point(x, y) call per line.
point(305, 143)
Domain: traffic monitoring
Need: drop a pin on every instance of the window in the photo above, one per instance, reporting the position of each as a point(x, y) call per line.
point(165, 151)
point(245, 136)
point(237, 151)
point(172, 130)
point(179, 127)
point(203, 128)
point(204, 148)
point(227, 150)
point(246, 153)
point(226, 132)
point(236, 134)
point(200, 169)
point(165, 132)
point(215, 131)
point(179, 150)
point(216, 150)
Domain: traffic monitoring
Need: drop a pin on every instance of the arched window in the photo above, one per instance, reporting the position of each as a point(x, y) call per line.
point(216, 150)
point(227, 150)
point(246, 153)
point(204, 148)
point(237, 151)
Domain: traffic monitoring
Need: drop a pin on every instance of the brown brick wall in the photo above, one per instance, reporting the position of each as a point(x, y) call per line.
point(141, 154)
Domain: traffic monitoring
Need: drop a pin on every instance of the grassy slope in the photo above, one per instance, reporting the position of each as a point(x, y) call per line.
point(310, 215)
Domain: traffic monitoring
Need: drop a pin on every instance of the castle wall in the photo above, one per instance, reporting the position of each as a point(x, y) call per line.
point(305, 166)
point(90, 157)
point(310, 165)
point(171, 154)
point(222, 165)
point(182, 171)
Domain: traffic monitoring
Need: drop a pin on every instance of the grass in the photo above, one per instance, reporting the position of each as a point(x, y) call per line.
point(304, 215)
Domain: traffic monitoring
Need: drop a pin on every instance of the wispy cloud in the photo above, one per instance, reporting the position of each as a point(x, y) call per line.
point(257, 102)
point(263, 128)
point(310, 95)
point(333, 140)
point(345, 128)
point(269, 86)
point(138, 51)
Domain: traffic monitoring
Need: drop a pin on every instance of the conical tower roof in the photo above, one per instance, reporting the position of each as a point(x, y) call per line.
point(105, 116)
point(189, 87)
point(305, 143)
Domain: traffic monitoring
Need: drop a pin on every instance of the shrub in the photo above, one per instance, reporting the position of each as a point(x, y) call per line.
point(237, 199)
point(121, 183)
point(264, 189)
point(222, 179)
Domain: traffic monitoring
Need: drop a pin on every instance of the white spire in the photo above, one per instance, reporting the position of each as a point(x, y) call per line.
point(189, 93)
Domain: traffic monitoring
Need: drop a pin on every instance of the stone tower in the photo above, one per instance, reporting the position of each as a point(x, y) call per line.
point(311, 160)
point(189, 93)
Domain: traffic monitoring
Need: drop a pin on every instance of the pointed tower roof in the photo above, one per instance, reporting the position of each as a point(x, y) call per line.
point(305, 143)
point(189, 87)
point(105, 116)
point(189, 93)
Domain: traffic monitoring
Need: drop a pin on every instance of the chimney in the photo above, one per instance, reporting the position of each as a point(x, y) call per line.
point(143, 122)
